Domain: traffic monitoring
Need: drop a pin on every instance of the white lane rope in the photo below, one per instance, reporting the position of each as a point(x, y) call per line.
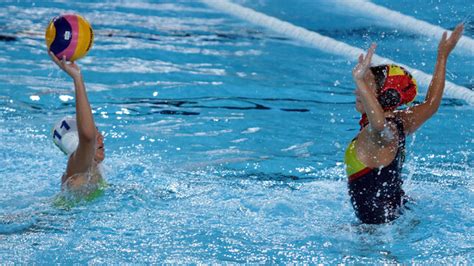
point(406, 23)
point(328, 45)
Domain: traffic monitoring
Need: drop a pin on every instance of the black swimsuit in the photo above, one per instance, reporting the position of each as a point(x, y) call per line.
point(376, 193)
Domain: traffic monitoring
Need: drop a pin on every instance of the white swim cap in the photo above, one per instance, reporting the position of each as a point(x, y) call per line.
point(65, 135)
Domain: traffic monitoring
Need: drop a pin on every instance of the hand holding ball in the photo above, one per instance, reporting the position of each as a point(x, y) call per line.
point(69, 35)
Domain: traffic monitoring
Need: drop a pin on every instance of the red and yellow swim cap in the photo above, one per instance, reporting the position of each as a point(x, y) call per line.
point(396, 86)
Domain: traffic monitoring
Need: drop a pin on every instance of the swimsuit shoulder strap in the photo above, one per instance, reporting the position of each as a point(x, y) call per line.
point(401, 131)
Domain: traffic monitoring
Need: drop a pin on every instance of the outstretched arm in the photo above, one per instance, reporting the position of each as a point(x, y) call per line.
point(414, 117)
point(82, 158)
point(372, 107)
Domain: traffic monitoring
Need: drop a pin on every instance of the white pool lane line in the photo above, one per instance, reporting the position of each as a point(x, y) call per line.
point(329, 45)
point(397, 20)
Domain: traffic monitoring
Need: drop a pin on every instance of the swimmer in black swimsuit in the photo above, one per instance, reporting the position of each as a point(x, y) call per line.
point(375, 156)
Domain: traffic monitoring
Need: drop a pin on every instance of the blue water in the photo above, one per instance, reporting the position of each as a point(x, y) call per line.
point(224, 141)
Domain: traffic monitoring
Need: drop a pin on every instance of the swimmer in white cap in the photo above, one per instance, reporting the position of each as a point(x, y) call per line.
point(79, 138)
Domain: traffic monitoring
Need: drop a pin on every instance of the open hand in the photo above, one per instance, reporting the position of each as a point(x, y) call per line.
point(364, 63)
point(72, 69)
point(447, 44)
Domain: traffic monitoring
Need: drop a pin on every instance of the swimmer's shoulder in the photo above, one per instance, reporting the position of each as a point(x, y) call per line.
point(371, 141)
point(79, 181)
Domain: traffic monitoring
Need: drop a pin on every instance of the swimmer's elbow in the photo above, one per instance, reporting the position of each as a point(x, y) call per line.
point(428, 109)
point(432, 103)
point(433, 108)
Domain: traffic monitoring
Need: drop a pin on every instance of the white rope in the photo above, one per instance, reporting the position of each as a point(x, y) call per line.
point(406, 23)
point(327, 44)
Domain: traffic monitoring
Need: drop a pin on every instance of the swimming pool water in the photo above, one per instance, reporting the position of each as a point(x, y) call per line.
point(224, 141)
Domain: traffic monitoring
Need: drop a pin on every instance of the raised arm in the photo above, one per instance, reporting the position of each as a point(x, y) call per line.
point(415, 116)
point(368, 94)
point(83, 157)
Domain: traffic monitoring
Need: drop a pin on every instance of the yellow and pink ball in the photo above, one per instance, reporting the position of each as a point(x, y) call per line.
point(69, 35)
